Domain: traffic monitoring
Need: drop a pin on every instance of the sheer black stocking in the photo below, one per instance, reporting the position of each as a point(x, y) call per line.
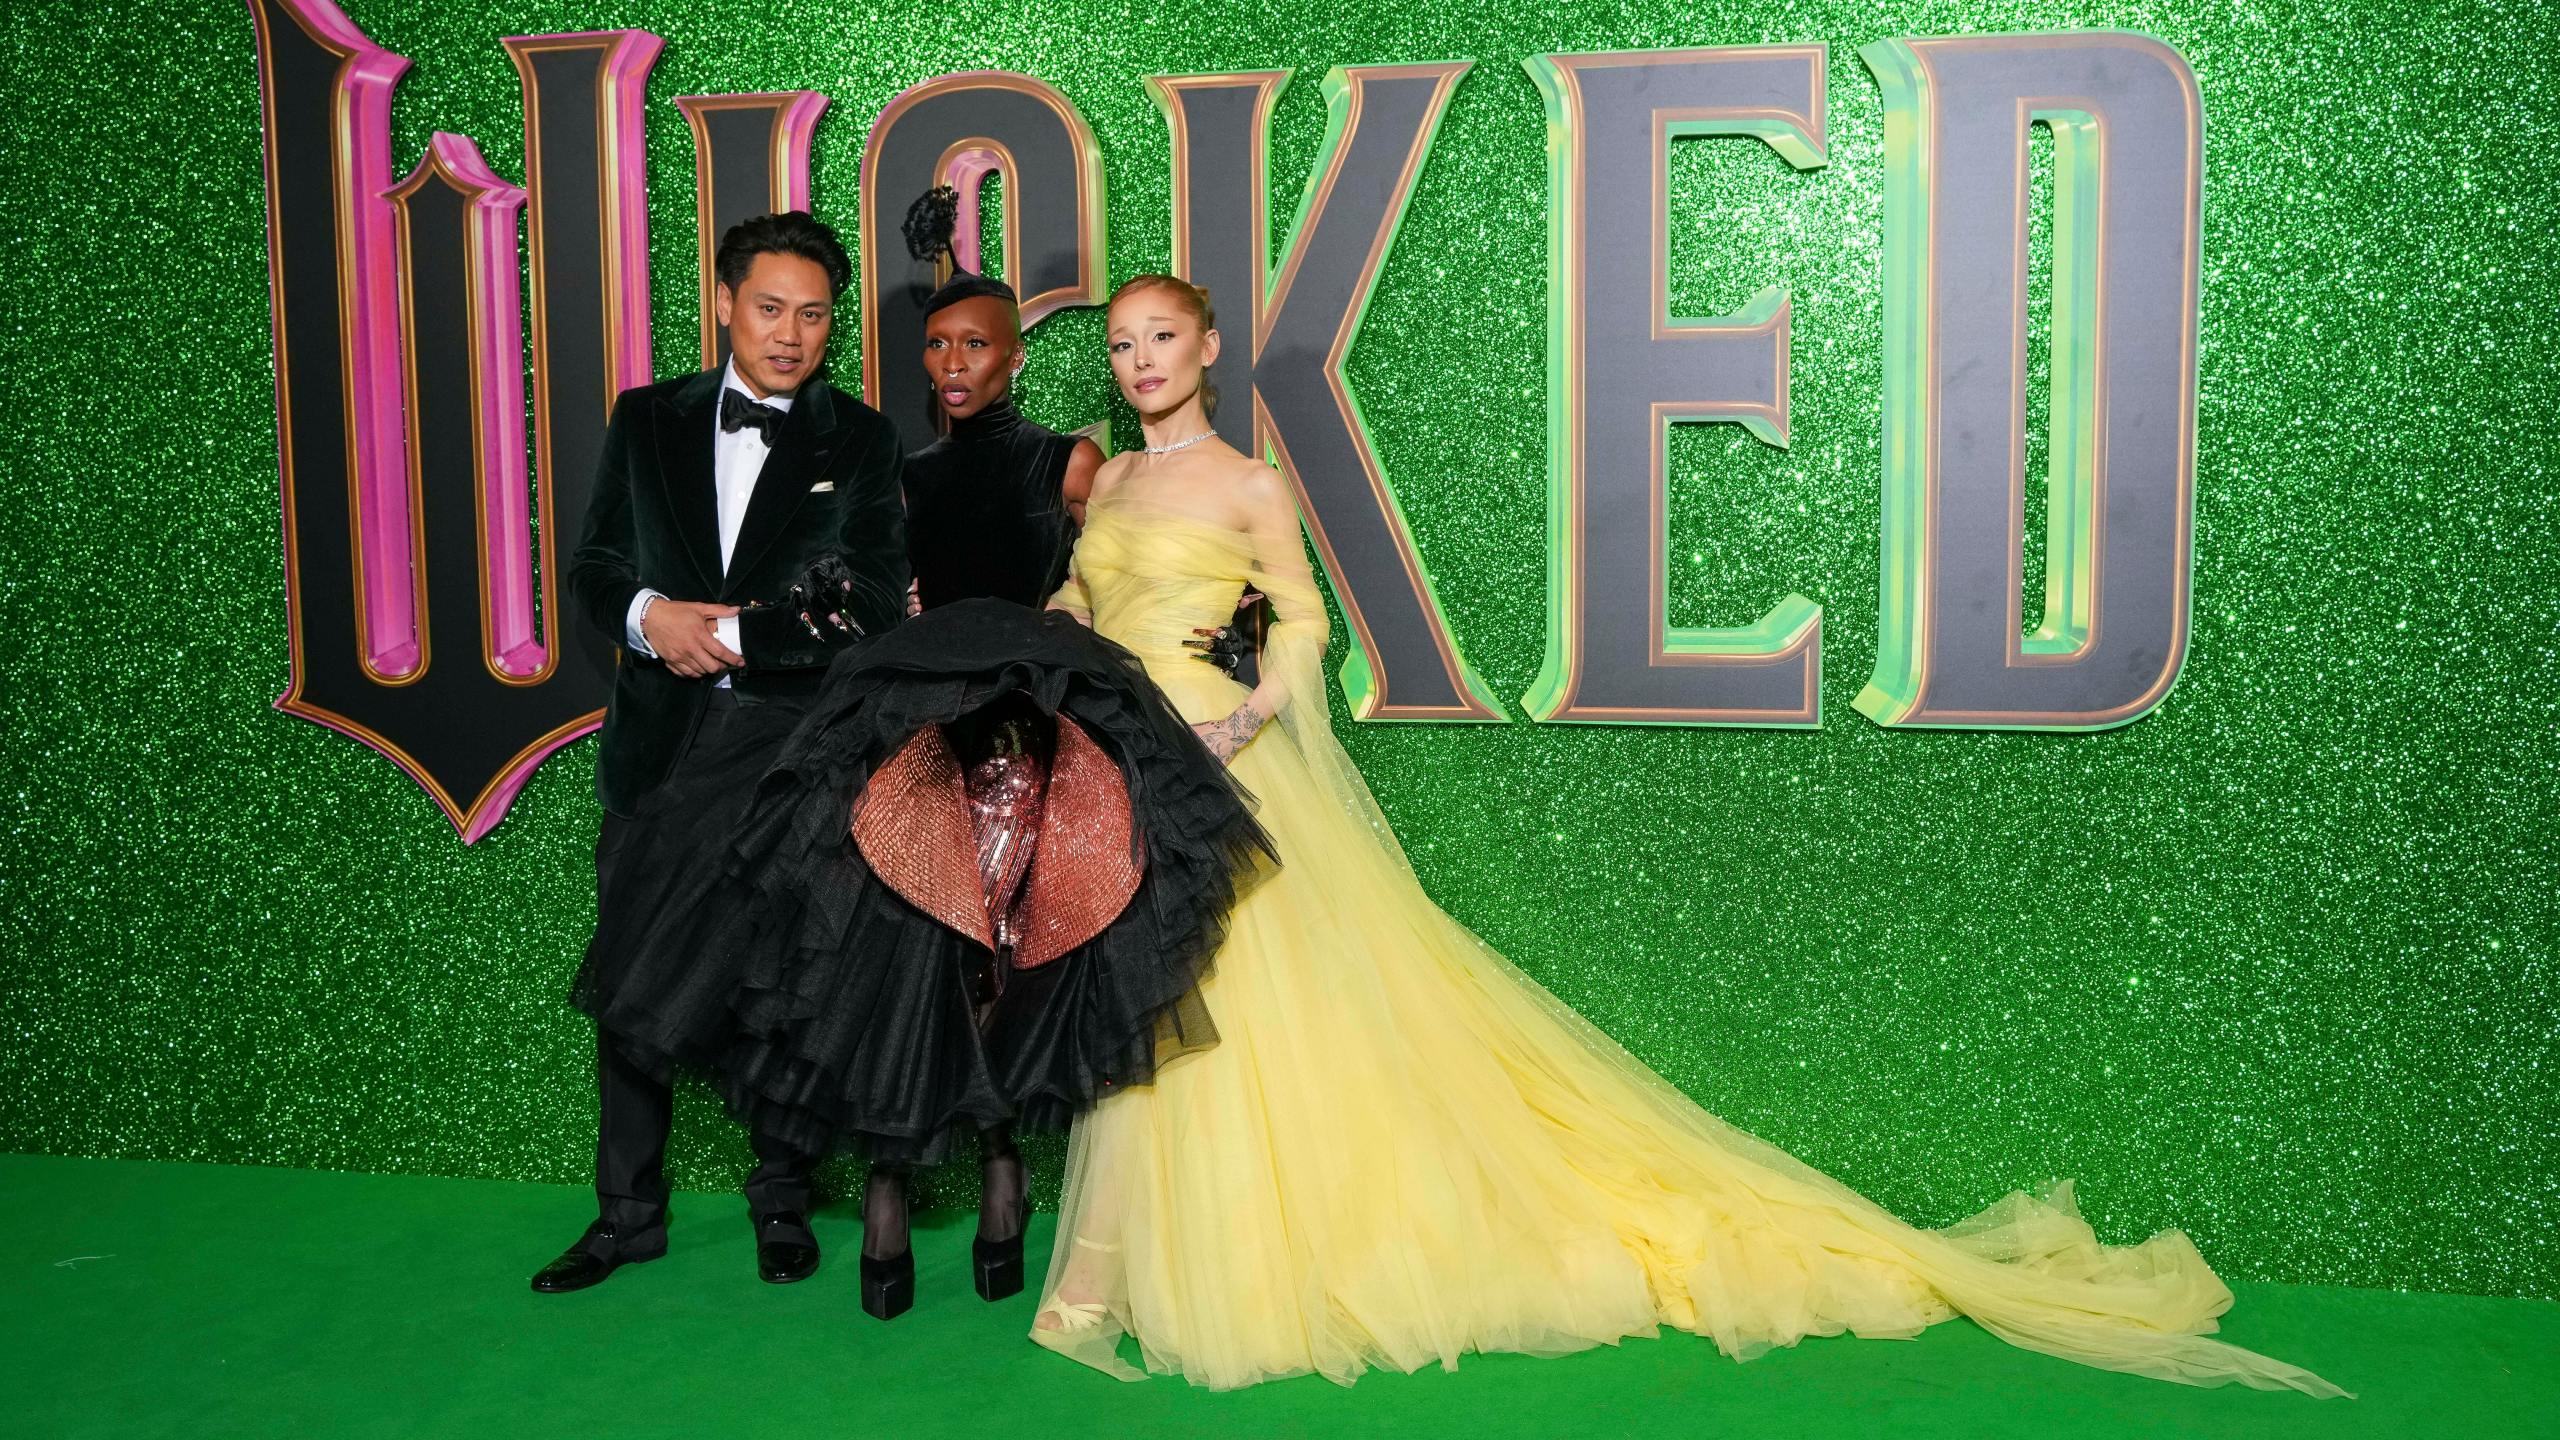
point(1004, 1188)
point(884, 1213)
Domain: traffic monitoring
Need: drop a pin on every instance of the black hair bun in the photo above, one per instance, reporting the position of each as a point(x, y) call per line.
point(931, 222)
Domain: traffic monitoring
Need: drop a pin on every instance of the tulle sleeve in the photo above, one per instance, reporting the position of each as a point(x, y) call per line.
point(1292, 658)
point(1292, 677)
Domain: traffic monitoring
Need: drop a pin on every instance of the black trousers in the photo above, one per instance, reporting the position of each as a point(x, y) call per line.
point(680, 824)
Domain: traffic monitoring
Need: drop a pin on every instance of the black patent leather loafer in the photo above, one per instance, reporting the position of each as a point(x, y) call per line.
point(785, 1250)
point(598, 1253)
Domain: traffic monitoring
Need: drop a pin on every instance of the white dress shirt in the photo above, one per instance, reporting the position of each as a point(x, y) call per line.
point(737, 458)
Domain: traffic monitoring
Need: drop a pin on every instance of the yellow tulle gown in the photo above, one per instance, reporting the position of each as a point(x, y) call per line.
point(1403, 1149)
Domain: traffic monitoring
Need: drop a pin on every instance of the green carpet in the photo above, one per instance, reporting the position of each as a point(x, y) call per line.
point(203, 1300)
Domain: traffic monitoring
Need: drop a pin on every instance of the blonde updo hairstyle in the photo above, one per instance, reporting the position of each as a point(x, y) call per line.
point(1190, 297)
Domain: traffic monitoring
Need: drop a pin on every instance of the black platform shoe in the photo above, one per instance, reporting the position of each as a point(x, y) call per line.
point(999, 1268)
point(889, 1286)
point(888, 1281)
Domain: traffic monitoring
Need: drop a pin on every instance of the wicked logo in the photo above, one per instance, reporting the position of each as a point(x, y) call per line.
point(421, 555)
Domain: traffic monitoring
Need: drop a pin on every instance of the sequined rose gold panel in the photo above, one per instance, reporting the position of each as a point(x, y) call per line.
point(912, 827)
point(1086, 868)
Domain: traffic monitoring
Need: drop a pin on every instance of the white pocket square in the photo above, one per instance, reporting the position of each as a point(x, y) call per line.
point(822, 487)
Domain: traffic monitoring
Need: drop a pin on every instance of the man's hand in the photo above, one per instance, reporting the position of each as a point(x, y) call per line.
point(684, 635)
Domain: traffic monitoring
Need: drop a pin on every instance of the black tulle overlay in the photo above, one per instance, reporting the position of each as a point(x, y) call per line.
point(831, 1010)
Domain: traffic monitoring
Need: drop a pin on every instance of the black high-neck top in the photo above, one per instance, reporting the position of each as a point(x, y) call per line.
point(987, 511)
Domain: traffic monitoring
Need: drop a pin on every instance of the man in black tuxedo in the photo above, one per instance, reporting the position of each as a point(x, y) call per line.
point(724, 501)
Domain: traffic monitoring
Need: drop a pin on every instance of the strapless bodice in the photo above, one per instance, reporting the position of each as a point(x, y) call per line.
point(1153, 578)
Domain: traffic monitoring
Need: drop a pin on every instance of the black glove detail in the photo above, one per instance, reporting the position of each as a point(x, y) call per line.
point(823, 599)
point(1225, 648)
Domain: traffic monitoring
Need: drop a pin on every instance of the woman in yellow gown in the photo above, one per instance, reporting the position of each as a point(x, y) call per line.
point(1402, 1148)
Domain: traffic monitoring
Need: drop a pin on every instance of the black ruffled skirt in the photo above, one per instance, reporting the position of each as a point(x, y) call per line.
point(836, 989)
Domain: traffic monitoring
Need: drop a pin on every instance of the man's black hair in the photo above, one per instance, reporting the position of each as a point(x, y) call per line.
point(795, 232)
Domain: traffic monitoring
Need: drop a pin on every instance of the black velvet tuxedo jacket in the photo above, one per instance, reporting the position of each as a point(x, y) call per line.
point(831, 485)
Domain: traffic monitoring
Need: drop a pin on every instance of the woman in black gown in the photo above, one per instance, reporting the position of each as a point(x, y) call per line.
point(992, 512)
point(979, 886)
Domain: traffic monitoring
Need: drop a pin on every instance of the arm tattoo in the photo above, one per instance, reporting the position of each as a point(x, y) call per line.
point(1229, 735)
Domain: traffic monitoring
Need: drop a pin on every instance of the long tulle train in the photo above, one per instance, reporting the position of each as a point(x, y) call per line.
point(1404, 1149)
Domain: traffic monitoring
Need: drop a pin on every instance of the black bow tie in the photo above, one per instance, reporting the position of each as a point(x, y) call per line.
point(738, 412)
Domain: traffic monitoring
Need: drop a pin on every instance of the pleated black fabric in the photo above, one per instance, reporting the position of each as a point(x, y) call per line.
point(829, 1009)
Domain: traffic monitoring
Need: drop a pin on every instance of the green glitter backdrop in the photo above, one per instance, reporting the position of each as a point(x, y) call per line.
point(2271, 964)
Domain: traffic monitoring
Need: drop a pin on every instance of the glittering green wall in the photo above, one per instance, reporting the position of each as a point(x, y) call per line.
point(2270, 964)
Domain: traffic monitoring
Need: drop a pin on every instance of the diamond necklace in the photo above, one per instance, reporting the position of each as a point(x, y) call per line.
point(1180, 444)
